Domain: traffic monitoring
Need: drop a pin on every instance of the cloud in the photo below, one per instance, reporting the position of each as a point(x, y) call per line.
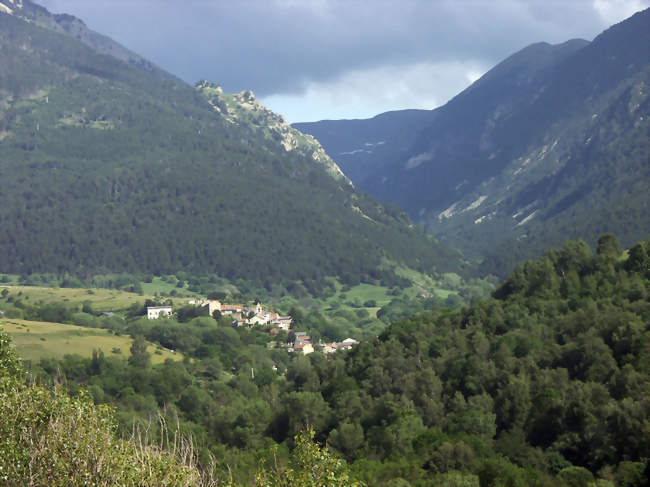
point(364, 93)
point(322, 52)
point(613, 11)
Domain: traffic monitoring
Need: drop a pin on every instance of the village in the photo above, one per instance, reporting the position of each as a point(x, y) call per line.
point(257, 316)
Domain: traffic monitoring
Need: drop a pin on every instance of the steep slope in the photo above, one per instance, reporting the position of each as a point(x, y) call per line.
point(363, 147)
point(105, 166)
point(243, 109)
point(551, 144)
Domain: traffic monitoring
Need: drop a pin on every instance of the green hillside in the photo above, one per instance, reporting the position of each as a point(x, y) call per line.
point(105, 167)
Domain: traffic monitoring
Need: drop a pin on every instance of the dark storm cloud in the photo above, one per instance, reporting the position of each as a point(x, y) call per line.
point(280, 46)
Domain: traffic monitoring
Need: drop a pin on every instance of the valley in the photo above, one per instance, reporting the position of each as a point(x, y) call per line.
point(195, 292)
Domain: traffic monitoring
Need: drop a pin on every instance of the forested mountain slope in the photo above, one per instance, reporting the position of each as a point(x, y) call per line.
point(552, 143)
point(105, 166)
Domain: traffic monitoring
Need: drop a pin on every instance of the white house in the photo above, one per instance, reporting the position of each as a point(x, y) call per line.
point(155, 312)
point(258, 320)
point(348, 343)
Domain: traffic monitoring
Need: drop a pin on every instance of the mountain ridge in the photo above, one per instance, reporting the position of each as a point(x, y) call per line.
point(74, 27)
point(523, 158)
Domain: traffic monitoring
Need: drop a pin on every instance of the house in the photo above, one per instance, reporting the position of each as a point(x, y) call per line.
point(347, 344)
point(282, 322)
point(230, 309)
point(212, 304)
point(304, 348)
point(301, 338)
point(258, 320)
point(155, 312)
point(239, 322)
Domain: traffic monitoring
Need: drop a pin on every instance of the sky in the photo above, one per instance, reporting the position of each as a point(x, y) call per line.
point(331, 59)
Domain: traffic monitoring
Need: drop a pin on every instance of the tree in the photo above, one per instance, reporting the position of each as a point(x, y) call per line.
point(306, 409)
point(217, 295)
point(310, 466)
point(608, 246)
point(347, 438)
point(139, 355)
point(638, 259)
point(87, 307)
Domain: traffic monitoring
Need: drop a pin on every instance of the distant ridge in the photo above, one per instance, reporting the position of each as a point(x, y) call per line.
point(550, 144)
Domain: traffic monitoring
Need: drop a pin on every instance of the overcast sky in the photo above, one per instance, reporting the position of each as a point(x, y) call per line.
point(329, 59)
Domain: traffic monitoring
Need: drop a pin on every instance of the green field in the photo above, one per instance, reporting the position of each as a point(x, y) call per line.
point(356, 296)
point(101, 299)
point(35, 340)
point(157, 285)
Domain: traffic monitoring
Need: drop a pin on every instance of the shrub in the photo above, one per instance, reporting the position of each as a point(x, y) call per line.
point(50, 439)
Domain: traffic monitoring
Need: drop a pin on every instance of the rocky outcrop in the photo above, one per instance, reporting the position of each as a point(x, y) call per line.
point(244, 109)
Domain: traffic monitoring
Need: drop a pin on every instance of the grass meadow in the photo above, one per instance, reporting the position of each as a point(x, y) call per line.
point(35, 340)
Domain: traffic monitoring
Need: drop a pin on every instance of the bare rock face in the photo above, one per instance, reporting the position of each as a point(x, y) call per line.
point(244, 109)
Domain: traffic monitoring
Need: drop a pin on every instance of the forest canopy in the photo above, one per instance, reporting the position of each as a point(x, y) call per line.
point(545, 383)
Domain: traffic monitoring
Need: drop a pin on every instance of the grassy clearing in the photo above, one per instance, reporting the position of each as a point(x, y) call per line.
point(35, 340)
point(368, 292)
point(101, 299)
point(356, 296)
point(423, 285)
point(162, 287)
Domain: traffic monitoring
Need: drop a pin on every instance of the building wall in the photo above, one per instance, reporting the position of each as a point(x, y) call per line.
point(157, 312)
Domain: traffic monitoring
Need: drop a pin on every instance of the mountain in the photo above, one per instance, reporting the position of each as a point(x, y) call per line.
point(552, 143)
point(74, 27)
point(110, 165)
point(363, 147)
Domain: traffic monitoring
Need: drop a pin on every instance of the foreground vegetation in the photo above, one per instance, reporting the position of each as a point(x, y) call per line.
point(48, 438)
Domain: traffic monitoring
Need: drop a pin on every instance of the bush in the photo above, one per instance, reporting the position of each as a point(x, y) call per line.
point(48, 438)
